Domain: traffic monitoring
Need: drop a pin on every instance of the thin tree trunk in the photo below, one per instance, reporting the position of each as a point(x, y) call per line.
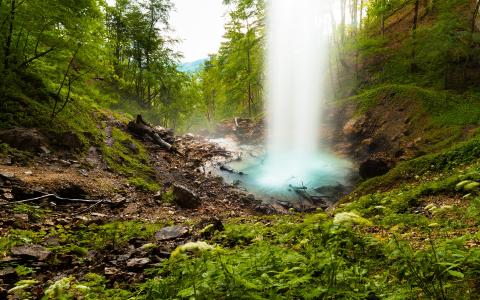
point(471, 42)
point(65, 76)
point(382, 22)
point(8, 43)
point(19, 36)
point(361, 15)
point(414, 66)
point(343, 9)
point(474, 18)
point(249, 70)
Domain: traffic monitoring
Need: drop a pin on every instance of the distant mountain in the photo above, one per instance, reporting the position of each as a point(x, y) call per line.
point(192, 67)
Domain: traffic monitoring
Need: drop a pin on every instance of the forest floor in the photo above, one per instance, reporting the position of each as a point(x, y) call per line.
point(150, 204)
point(80, 233)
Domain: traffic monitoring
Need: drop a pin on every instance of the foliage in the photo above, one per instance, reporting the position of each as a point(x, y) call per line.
point(231, 81)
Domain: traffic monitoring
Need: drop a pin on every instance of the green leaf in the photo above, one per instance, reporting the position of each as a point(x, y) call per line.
point(456, 274)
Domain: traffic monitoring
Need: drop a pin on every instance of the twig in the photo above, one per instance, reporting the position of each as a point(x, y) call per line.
point(57, 198)
point(89, 208)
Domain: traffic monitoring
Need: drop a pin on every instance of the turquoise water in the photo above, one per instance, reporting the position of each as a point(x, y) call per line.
point(280, 177)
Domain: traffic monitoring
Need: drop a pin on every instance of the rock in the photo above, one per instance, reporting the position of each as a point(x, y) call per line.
point(30, 139)
point(66, 140)
point(8, 196)
point(373, 167)
point(7, 175)
point(185, 198)
point(111, 271)
point(331, 190)
point(31, 251)
point(21, 217)
point(209, 226)
point(354, 126)
point(171, 233)
point(118, 200)
point(138, 263)
point(8, 275)
point(28, 173)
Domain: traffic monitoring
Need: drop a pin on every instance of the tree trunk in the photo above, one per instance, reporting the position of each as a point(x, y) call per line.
point(8, 43)
point(414, 67)
point(361, 15)
point(249, 70)
point(474, 17)
point(343, 9)
point(382, 20)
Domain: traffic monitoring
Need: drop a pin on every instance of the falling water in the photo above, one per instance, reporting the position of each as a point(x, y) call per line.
point(298, 43)
point(297, 60)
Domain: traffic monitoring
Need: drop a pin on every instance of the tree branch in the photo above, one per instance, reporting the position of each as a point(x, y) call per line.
point(37, 56)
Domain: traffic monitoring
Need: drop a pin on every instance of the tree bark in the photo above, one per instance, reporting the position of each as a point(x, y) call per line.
point(8, 43)
point(474, 17)
point(343, 12)
point(414, 66)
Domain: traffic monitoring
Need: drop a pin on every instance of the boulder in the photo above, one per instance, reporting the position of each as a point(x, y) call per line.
point(30, 139)
point(354, 126)
point(374, 167)
point(185, 198)
point(8, 275)
point(65, 140)
point(36, 252)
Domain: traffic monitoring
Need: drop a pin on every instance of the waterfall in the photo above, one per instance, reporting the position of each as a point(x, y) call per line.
point(297, 56)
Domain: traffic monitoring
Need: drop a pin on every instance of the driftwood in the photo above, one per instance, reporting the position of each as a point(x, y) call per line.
point(143, 129)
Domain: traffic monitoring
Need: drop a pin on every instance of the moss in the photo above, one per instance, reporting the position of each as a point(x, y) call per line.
point(168, 196)
point(143, 185)
point(134, 164)
point(462, 154)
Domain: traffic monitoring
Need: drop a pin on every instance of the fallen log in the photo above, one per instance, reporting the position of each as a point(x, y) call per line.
point(142, 128)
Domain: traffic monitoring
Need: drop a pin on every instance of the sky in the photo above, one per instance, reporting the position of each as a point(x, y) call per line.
point(199, 24)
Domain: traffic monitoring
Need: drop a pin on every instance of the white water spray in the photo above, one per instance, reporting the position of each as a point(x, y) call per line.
point(298, 43)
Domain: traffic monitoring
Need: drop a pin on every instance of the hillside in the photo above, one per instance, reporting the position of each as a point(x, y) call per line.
point(98, 203)
point(192, 67)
